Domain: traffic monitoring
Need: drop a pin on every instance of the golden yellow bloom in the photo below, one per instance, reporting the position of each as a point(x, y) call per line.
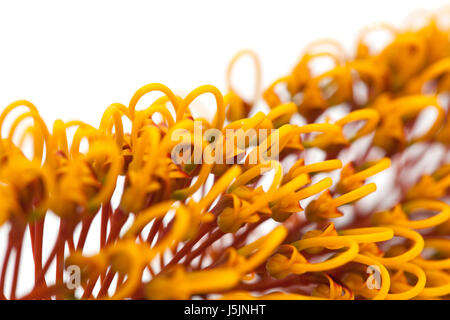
point(246, 205)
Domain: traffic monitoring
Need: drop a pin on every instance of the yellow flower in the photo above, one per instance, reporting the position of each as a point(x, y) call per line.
point(231, 219)
point(25, 188)
point(332, 290)
point(329, 230)
point(182, 285)
point(325, 207)
point(352, 178)
point(429, 187)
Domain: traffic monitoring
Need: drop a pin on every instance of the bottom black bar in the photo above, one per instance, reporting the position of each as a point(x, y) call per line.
point(230, 309)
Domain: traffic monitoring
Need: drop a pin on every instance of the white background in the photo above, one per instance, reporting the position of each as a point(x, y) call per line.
point(73, 59)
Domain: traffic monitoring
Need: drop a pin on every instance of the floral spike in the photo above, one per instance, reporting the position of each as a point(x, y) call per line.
point(247, 204)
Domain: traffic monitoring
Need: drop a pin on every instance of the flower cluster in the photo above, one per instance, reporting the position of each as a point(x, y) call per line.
point(287, 227)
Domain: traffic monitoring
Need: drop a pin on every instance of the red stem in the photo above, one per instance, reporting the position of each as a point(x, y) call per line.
point(38, 240)
point(16, 269)
point(106, 283)
point(106, 213)
point(85, 225)
point(216, 235)
point(5, 266)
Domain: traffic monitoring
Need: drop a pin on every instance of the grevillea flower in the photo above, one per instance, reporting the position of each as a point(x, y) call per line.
point(248, 204)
